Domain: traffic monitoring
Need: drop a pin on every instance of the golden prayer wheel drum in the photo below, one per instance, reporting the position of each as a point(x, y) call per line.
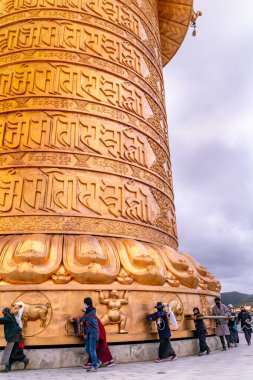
point(86, 196)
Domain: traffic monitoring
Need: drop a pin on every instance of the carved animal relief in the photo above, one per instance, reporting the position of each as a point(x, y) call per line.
point(33, 317)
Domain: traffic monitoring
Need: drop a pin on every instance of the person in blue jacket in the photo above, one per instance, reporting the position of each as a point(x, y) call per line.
point(165, 350)
point(91, 330)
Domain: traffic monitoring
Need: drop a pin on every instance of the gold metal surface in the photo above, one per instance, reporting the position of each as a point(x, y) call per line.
point(174, 19)
point(66, 302)
point(83, 131)
point(36, 259)
point(86, 195)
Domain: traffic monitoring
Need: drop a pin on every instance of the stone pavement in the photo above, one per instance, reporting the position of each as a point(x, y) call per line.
point(236, 363)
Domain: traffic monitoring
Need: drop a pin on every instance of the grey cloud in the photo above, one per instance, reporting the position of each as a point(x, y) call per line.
point(209, 104)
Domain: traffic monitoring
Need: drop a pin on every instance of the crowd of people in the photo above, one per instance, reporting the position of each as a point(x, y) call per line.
point(228, 323)
point(226, 319)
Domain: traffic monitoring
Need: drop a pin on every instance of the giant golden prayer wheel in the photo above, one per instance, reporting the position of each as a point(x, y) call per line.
point(86, 196)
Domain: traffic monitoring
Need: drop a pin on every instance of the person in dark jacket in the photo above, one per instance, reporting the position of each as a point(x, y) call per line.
point(201, 331)
point(245, 319)
point(165, 350)
point(13, 351)
point(91, 330)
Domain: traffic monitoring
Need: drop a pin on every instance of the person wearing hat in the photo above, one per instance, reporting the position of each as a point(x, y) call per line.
point(245, 319)
point(165, 350)
point(232, 325)
point(222, 330)
point(13, 351)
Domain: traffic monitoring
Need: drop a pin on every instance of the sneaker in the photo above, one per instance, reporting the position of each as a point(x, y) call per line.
point(200, 353)
point(224, 349)
point(99, 363)
point(92, 369)
point(158, 360)
point(86, 365)
point(208, 351)
point(174, 357)
point(111, 363)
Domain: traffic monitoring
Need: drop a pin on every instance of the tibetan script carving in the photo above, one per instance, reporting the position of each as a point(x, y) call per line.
point(62, 34)
point(65, 80)
point(58, 131)
point(56, 191)
point(110, 10)
point(83, 133)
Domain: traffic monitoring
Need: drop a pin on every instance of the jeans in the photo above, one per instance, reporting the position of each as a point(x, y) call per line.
point(202, 341)
point(90, 348)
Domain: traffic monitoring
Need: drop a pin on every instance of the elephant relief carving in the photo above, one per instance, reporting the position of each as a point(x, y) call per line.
point(206, 310)
point(28, 312)
point(114, 316)
point(178, 310)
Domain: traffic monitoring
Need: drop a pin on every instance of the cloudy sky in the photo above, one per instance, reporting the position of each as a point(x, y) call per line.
point(209, 98)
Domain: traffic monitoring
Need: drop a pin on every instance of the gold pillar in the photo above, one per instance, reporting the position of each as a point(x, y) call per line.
point(86, 191)
point(83, 133)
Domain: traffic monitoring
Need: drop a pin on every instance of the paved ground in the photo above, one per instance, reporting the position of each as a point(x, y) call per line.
point(236, 363)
